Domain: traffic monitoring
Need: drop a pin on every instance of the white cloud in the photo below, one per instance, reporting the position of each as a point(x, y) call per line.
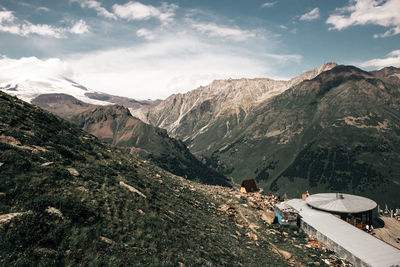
point(146, 34)
point(391, 59)
point(42, 8)
point(215, 30)
point(138, 11)
point(24, 4)
point(281, 58)
point(79, 27)
point(172, 64)
point(28, 28)
point(132, 10)
point(95, 5)
point(6, 16)
point(395, 53)
point(9, 23)
point(364, 12)
point(32, 68)
point(268, 4)
point(312, 15)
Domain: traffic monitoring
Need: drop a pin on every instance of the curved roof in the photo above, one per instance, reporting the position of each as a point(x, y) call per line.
point(342, 203)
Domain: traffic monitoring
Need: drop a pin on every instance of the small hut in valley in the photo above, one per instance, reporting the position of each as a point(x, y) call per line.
point(248, 186)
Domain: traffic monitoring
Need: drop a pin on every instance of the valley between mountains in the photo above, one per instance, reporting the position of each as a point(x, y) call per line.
point(89, 178)
point(334, 128)
point(69, 199)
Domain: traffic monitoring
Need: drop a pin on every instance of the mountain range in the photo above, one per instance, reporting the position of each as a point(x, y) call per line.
point(335, 128)
point(67, 198)
point(97, 113)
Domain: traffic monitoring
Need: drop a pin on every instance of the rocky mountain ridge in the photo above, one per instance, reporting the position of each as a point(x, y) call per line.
point(338, 131)
point(234, 96)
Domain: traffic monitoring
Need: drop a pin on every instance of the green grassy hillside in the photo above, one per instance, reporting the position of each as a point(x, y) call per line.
point(337, 132)
point(83, 202)
point(114, 124)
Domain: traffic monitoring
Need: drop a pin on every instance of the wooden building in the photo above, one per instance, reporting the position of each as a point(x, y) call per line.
point(249, 186)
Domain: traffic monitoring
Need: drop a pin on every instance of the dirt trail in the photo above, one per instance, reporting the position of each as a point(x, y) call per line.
point(390, 232)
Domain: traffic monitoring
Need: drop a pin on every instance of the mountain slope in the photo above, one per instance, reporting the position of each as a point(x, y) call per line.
point(336, 132)
point(77, 201)
point(186, 115)
point(64, 104)
point(116, 125)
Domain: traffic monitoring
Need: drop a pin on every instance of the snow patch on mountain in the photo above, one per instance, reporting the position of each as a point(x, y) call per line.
point(27, 78)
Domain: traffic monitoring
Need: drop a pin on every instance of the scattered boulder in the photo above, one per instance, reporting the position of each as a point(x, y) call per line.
point(52, 210)
point(252, 236)
point(254, 226)
point(47, 163)
point(132, 189)
point(268, 217)
point(9, 140)
point(82, 189)
point(107, 240)
point(47, 251)
point(5, 218)
point(223, 207)
point(73, 172)
point(285, 254)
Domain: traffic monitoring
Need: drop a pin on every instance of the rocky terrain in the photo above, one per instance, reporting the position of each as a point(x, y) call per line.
point(188, 115)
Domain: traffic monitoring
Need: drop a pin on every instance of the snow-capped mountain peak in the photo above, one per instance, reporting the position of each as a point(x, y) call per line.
point(27, 78)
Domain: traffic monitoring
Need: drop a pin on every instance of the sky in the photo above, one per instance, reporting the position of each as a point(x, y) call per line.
point(151, 49)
